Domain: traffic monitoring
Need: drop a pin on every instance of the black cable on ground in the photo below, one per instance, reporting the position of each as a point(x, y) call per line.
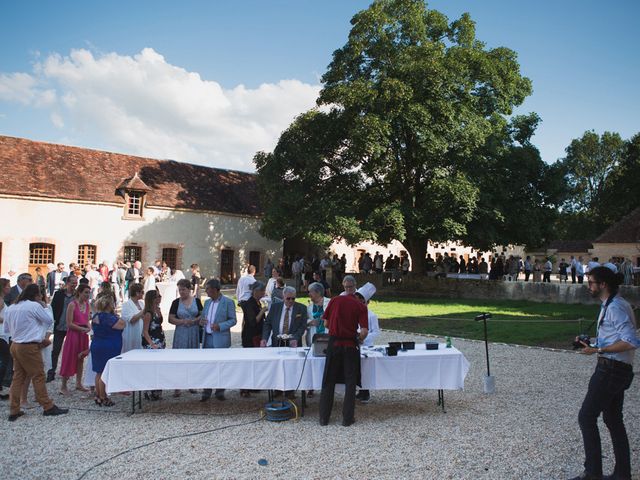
point(164, 439)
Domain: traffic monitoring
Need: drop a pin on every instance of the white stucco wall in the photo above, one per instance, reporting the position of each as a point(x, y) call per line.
point(199, 236)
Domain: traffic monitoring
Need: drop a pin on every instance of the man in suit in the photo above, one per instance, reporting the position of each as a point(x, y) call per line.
point(285, 318)
point(24, 279)
point(218, 316)
point(55, 279)
point(288, 317)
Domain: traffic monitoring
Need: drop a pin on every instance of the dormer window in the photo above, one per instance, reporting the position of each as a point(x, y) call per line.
point(134, 192)
point(134, 202)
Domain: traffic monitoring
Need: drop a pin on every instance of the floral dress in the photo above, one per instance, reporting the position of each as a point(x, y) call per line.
point(155, 332)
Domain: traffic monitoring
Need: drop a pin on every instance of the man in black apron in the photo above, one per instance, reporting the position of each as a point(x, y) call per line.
point(343, 316)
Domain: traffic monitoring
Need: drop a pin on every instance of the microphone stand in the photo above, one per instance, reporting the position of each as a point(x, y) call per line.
point(489, 381)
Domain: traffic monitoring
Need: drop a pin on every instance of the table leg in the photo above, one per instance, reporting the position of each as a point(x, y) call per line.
point(303, 403)
point(441, 400)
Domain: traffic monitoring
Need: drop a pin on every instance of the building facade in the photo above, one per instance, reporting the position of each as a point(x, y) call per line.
point(70, 204)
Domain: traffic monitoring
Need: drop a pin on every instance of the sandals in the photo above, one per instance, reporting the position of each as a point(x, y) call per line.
point(98, 401)
point(107, 402)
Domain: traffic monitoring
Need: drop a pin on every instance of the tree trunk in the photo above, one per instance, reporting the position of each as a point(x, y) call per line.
point(417, 248)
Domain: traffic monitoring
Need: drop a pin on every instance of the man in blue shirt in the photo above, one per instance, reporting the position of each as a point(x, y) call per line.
point(615, 346)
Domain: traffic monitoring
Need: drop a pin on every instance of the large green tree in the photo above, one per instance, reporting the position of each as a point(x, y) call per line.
point(591, 164)
point(519, 192)
point(391, 150)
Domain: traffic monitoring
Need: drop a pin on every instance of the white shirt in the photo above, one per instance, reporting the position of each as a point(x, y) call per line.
point(94, 278)
point(4, 333)
point(211, 314)
point(271, 284)
point(129, 309)
point(243, 292)
point(284, 312)
point(57, 280)
point(27, 321)
point(149, 283)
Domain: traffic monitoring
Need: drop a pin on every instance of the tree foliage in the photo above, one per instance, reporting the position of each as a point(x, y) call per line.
point(393, 150)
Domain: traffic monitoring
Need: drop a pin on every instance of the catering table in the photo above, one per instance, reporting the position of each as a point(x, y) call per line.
point(280, 369)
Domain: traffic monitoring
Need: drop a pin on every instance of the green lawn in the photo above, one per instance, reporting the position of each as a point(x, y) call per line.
point(525, 323)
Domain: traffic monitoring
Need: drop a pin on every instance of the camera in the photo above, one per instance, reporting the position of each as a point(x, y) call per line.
point(581, 338)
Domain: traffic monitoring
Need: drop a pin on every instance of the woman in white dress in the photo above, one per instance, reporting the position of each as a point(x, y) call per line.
point(132, 314)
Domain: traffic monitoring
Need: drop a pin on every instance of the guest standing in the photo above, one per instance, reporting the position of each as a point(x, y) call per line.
point(5, 355)
point(59, 304)
point(132, 315)
point(26, 322)
point(106, 344)
point(152, 333)
point(317, 306)
point(150, 280)
point(252, 319)
point(76, 345)
point(218, 316)
point(253, 316)
point(185, 315)
point(242, 289)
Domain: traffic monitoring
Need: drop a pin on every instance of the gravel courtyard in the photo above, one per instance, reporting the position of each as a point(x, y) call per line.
point(527, 429)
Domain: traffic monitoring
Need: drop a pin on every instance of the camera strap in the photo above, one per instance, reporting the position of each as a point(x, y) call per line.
point(603, 312)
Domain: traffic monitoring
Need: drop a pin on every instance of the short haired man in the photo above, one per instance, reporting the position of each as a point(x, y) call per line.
point(27, 323)
point(285, 318)
point(55, 279)
point(218, 316)
point(59, 303)
point(285, 323)
point(616, 343)
point(24, 279)
point(349, 284)
point(343, 316)
point(243, 289)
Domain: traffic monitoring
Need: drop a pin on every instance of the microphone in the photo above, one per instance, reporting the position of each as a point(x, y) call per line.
point(482, 316)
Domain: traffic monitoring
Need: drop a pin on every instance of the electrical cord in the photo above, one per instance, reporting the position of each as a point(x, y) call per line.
point(164, 439)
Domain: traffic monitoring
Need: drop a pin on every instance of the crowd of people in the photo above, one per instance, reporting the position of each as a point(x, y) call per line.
point(80, 327)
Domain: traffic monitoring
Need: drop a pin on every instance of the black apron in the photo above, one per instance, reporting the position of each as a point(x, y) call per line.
point(338, 376)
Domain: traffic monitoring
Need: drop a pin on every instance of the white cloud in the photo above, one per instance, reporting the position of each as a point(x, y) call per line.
point(143, 105)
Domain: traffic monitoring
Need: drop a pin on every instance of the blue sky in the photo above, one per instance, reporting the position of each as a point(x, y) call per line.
point(212, 82)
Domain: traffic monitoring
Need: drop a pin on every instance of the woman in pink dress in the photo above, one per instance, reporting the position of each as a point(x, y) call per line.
point(76, 343)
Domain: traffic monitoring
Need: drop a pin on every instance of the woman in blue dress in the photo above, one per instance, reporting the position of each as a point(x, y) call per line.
point(107, 342)
point(185, 315)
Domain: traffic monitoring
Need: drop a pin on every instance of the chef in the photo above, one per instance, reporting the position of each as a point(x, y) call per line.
point(364, 294)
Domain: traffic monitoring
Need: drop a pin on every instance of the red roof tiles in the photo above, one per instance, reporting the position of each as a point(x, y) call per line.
point(71, 173)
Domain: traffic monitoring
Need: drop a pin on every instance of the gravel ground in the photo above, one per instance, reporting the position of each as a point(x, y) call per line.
point(527, 429)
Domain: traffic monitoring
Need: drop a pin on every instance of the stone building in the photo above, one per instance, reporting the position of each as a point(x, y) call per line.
point(620, 241)
point(69, 204)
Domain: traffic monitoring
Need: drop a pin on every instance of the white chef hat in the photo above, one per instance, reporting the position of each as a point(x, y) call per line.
point(367, 291)
point(611, 267)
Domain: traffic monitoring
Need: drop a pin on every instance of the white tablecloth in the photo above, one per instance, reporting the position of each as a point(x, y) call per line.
point(278, 369)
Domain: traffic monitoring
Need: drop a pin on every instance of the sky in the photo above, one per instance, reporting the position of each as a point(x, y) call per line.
point(213, 82)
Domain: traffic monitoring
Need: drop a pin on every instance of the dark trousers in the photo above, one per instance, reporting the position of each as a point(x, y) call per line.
point(580, 278)
point(5, 363)
point(344, 362)
point(527, 274)
point(546, 277)
point(573, 275)
point(606, 395)
point(58, 340)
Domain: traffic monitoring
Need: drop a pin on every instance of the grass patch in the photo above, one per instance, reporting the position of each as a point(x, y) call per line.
point(521, 322)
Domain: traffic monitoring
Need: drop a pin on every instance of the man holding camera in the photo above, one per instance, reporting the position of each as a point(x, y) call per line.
point(615, 346)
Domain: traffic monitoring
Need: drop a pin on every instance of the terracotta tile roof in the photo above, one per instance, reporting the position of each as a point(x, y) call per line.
point(627, 230)
point(134, 183)
point(71, 173)
point(570, 245)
